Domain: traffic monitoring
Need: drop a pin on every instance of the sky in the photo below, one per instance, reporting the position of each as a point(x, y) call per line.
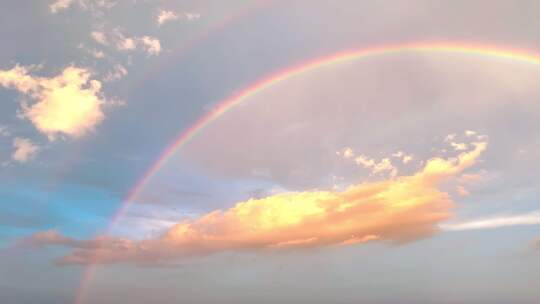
point(305, 151)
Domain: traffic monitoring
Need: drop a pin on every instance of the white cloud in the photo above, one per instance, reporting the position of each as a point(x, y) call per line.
point(25, 149)
point(166, 16)
point(151, 45)
point(69, 103)
point(60, 5)
point(532, 218)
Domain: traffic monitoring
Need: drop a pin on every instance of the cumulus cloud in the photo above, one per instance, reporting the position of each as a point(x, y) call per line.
point(396, 210)
point(69, 103)
point(151, 45)
point(25, 149)
point(532, 218)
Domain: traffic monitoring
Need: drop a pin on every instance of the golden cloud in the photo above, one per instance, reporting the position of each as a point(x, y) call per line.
point(399, 210)
point(69, 103)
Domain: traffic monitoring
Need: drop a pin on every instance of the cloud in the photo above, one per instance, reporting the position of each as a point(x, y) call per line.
point(151, 45)
point(532, 218)
point(118, 72)
point(166, 16)
point(25, 149)
point(405, 158)
point(69, 103)
point(346, 153)
point(60, 5)
point(126, 44)
point(99, 37)
point(385, 165)
point(397, 210)
point(96, 7)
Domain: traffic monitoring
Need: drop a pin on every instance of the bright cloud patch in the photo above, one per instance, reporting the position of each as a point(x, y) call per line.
point(25, 150)
point(70, 103)
point(166, 16)
point(60, 5)
point(396, 210)
point(151, 45)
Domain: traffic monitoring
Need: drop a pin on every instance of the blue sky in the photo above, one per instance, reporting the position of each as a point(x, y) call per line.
point(405, 177)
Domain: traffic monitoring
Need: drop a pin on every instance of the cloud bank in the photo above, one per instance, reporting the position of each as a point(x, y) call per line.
point(67, 104)
point(398, 210)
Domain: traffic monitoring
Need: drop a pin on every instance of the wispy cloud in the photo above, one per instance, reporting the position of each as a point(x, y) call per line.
point(532, 218)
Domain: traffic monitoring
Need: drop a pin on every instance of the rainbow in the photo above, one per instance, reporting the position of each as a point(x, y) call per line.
point(228, 104)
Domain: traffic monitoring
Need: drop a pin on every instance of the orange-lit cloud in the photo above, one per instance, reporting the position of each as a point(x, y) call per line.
point(69, 104)
point(397, 210)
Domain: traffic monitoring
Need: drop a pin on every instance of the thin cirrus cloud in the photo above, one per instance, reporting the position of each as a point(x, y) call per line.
point(67, 104)
point(396, 210)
